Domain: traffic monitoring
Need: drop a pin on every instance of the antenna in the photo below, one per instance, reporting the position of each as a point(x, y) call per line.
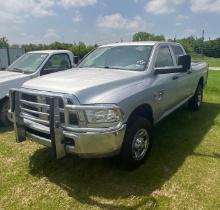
point(203, 35)
point(203, 38)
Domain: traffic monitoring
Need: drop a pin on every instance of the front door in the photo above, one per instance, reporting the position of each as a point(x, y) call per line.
point(165, 85)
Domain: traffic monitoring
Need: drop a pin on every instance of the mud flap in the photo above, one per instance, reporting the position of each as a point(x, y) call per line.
point(56, 133)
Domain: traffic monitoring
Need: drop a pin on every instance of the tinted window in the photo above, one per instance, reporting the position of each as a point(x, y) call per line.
point(56, 63)
point(164, 57)
point(177, 50)
point(119, 57)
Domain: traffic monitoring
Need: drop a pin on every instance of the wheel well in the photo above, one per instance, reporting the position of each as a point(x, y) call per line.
point(144, 110)
point(201, 82)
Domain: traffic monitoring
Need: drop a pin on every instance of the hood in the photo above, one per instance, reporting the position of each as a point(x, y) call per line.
point(85, 84)
point(7, 76)
point(10, 80)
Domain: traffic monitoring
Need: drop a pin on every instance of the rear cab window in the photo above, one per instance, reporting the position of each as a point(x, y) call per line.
point(177, 50)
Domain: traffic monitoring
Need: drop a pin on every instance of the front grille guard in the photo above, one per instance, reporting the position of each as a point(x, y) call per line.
point(56, 130)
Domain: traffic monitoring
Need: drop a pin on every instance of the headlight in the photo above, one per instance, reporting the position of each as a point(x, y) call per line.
point(110, 115)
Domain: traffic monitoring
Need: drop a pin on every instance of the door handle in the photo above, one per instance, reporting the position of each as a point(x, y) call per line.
point(158, 96)
point(175, 77)
point(161, 93)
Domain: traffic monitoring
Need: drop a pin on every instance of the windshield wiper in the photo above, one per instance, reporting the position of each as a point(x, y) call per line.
point(102, 67)
point(109, 67)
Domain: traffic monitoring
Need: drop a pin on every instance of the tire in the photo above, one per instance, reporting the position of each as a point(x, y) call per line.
point(196, 101)
point(4, 107)
point(137, 143)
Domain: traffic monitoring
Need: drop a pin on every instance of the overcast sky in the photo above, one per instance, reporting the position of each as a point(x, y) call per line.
point(104, 21)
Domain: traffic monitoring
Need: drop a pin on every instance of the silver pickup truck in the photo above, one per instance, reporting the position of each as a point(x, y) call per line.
point(108, 104)
point(29, 66)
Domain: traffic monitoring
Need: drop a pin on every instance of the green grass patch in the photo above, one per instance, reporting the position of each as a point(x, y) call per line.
point(183, 171)
point(213, 62)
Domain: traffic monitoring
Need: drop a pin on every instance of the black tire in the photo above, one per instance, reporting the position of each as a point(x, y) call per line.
point(128, 158)
point(196, 101)
point(4, 107)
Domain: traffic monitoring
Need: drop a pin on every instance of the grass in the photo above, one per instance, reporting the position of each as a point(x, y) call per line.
point(213, 62)
point(183, 171)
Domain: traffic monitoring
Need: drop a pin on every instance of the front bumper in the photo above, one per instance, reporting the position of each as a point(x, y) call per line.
point(61, 137)
point(91, 144)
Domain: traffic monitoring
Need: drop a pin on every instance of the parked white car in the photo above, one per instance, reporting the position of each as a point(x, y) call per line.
point(28, 66)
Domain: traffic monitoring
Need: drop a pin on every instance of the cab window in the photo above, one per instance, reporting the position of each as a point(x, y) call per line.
point(164, 57)
point(177, 50)
point(58, 62)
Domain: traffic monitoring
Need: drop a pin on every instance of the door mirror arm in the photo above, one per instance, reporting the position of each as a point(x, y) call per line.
point(168, 70)
point(184, 65)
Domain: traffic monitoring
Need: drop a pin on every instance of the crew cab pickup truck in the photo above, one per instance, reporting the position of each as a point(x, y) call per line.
point(28, 66)
point(108, 104)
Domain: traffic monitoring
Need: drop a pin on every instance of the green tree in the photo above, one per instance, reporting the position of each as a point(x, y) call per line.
point(4, 42)
point(144, 36)
point(15, 46)
point(80, 49)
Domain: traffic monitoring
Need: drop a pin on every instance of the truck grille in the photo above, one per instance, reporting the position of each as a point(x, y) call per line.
point(36, 108)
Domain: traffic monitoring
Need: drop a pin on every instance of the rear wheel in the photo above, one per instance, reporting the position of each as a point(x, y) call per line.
point(196, 101)
point(137, 143)
point(4, 107)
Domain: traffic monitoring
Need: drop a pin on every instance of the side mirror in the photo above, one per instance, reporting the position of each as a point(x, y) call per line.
point(185, 62)
point(76, 60)
point(48, 70)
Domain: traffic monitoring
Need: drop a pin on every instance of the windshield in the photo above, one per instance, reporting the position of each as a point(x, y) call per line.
point(28, 63)
point(120, 57)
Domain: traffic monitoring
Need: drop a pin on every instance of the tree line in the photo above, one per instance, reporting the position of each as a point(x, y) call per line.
point(78, 49)
point(193, 45)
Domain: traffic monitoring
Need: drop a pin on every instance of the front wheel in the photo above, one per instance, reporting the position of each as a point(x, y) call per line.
point(137, 143)
point(196, 101)
point(4, 107)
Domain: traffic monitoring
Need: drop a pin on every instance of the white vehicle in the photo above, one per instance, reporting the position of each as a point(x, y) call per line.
point(28, 66)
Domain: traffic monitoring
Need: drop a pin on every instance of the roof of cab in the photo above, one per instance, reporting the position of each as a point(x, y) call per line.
point(149, 43)
point(130, 44)
point(51, 51)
